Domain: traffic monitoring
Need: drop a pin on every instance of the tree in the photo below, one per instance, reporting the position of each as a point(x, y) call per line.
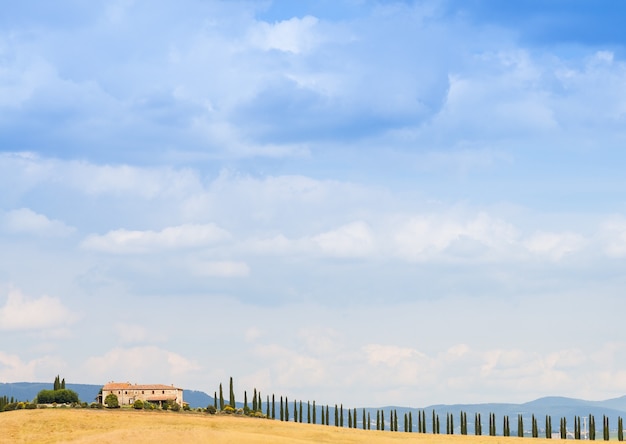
point(286, 409)
point(349, 418)
point(267, 406)
point(245, 401)
point(548, 427)
point(620, 429)
point(323, 418)
point(57, 383)
point(282, 410)
point(215, 400)
point(221, 398)
point(308, 412)
point(364, 422)
point(138, 404)
point(300, 411)
point(520, 426)
point(232, 394)
point(369, 424)
point(336, 416)
point(111, 401)
point(534, 427)
point(273, 408)
point(341, 416)
point(377, 419)
point(327, 416)
point(63, 384)
point(254, 401)
point(314, 413)
point(410, 422)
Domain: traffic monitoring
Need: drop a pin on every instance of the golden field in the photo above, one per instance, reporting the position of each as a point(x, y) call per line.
point(115, 426)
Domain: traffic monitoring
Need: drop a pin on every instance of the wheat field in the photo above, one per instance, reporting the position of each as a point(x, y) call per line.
point(115, 426)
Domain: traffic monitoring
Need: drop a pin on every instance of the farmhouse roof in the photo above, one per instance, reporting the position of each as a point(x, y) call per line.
point(129, 386)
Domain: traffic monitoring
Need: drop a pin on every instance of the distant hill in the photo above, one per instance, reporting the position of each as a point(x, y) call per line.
point(27, 391)
point(555, 406)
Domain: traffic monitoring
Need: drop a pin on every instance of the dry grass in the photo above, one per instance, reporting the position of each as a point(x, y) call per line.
point(114, 426)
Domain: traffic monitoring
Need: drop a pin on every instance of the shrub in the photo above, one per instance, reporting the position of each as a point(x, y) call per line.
point(111, 401)
point(175, 407)
point(31, 406)
point(228, 410)
point(20, 406)
point(138, 404)
point(211, 409)
point(186, 407)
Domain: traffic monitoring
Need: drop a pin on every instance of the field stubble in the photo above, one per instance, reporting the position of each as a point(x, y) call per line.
point(114, 426)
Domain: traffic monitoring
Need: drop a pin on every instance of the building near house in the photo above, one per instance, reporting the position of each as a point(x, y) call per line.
point(128, 393)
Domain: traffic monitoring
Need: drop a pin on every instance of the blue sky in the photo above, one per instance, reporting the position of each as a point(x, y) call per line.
point(424, 198)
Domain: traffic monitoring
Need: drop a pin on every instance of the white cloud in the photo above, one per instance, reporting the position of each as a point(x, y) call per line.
point(14, 369)
point(426, 237)
point(25, 220)
point(147, 364)
point(351, 240)
point(220, 268)
point(295, 35)
point(613, 236)
point(183, 236)
point(555, 245)
point(22, 313)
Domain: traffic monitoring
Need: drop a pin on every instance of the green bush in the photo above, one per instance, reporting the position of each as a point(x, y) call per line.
point(138, 404)
point(175, 407)
point(111, 401)
point(31, 406)
point(228, 410)
point(211, 409)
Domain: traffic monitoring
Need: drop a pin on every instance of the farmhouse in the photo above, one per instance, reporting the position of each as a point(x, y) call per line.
point(128, 393)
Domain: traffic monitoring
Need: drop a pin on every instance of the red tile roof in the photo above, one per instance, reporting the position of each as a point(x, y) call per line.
point(129, 386)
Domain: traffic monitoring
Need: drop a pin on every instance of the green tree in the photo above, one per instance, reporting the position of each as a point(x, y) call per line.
point(63, 384)
point(57, 383)
point(286, 409)
point(273, 408)
point(377, 419)
point(300, 414)
point(341, 416)
point(364, 421)
point(314, 413)
point(308, 412)
point(254, 401)
point(349, 418)
point(215, 400)
point(548, 427)
point(282, 410)
point(534, 427)
point(410, 421)
point(369, 424)
point(221, 398)
point(267, 406)
point(323, 418)
point(327, 416)
point(336, 416)
point(111, 401)
point(620, 429)
point(232, 394)
point(520, 426)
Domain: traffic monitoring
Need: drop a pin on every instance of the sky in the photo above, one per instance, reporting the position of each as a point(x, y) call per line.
point(351, 201)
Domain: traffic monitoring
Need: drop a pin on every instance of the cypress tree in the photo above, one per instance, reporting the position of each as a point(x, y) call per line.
point(520, 426)
point(308, 412)
point(286, 409)
point(341, 416)
point(505, 426)
point(57, 383)
point(282, 410)
point(382, 420)
point(327, 416)
point(336, 416)
point(563, 428)
point(410, 422)
point(267, 406)
point(323, 420)
point(273, 407)
point(215, 400)
point(63, 384)
point(314, 413)
point(395, 420)
point(438, 425)
point(620, 429)
point(354, 418)
point(221, 398)
point(349, 418)
point(548, 427)
point(419, 421)
point(364, 422)
point(295, 411)
point(232, 393)
point(245, 401)
point(592, 427)
point(451, 424)
point(254, 401)
point(434, 423)
point(369, 423)
point(406, 423)
point(605, 429)
point(259, 402)
point(534, 427)
point(377, 419)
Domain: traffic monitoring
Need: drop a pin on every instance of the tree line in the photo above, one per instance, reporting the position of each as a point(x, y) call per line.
point(280, 408)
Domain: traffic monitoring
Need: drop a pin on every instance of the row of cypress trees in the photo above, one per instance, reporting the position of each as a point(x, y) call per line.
point(350, 420)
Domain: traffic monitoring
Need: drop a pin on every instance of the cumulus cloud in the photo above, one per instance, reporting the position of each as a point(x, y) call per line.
point(220, 268)
point(23, 313)
point(25, 220)
point(134, 241)
point(555, 245)
point(351, 240)
point(428, 236)
point(148, 364)
point(15, 369)
point(295, 35)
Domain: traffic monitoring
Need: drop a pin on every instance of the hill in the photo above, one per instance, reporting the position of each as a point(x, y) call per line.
point(82, 426)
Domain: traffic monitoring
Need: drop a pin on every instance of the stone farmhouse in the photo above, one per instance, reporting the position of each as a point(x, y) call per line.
point(128, 393)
